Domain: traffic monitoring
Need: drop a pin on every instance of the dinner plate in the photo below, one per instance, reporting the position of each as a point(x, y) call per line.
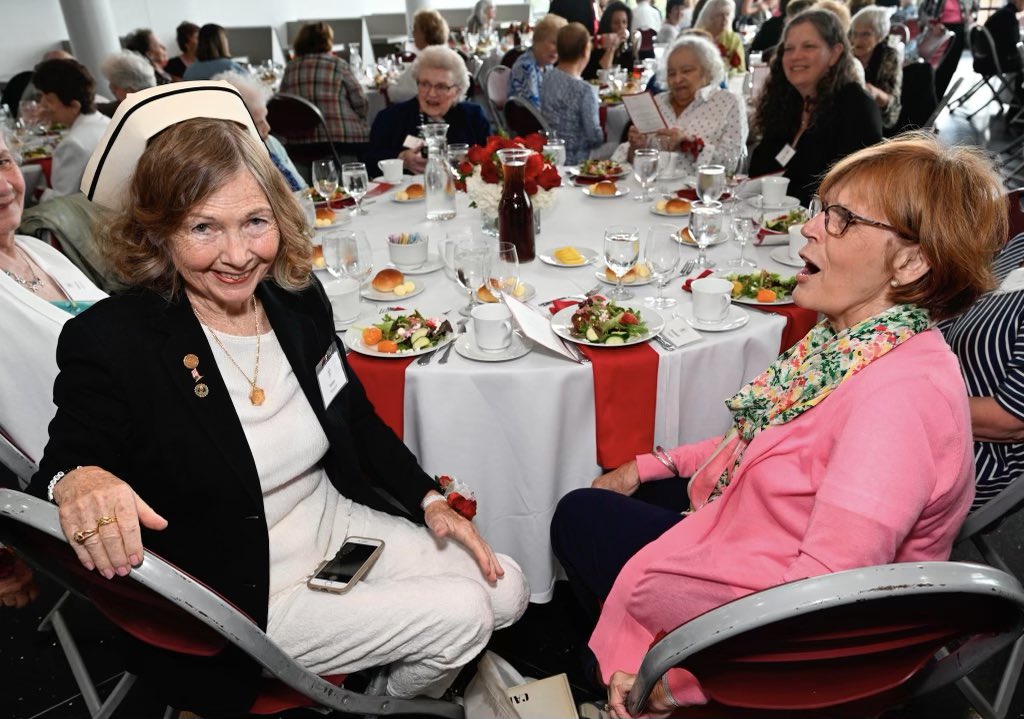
point(686, 239)
point(754, 303)
point(377, 296)
point(433, 264)
point(354, 341)
point(619, 192)
point(421, 198)
point(782, 256)
point(549, 259)
point(735, 319)
point(465, 345)
point(624, 169)
point(561, 325)
point(656, 211)
point(635, 283)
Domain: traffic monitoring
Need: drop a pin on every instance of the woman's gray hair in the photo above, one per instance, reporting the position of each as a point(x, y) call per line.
point(254, 93)
point(708, 57)
point(478, 10)
point(129, 71)
point(7, 137)
point(710, 8)
point(439, 57)
point(875, 18)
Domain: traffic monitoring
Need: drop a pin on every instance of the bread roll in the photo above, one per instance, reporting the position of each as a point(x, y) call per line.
point(325, 213)
point(626, 278)
point(387, 280)
point(605, 187)
point(414, 191)
point(677, 206)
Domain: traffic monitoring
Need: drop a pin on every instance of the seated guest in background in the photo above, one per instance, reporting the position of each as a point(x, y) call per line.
point(840, 9)
point(812, 104)
point(673, 22)
point(581, 11)
point(255, 95)
point(144, 42)
point(68, 97)
point(216, 252)
point(613, 46)
point(213, 55)
point(716, 18)
point(528, 70)
point(327, 81)
point(695, 105)
point(568, 102)
point(1004, 27)
point(883, 66)
point(481, 20)
point(126, 72)
point(442, 80)
point(852, 449)
point(988, 339)
point(39, 291)
point(645, 16)
point(428, 28)
point(752, 12)
point(187, 37)
point(770, 32)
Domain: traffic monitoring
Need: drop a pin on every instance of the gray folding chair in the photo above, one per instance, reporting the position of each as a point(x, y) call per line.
point(496, 90)
point(852, 643)
point(176, 606)
point(11, 457)
point(987, 65)
point(522, 118)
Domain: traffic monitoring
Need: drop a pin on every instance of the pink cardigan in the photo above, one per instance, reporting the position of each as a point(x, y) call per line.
point(881, 471)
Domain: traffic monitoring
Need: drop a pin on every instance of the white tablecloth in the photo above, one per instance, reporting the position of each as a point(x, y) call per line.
point(522, 433)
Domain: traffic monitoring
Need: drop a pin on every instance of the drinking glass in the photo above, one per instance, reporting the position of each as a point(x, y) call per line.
point(505, 269)
point(710, 182)
point(325, 178)
point(745, 224)
point(353, 174)
point(645, 170)
point(347, 253)
point(705, 226)
point(457, 153)
point(309, 210)
point(661, 253)
point(621, 251)
point(472, 260)
point(555, 148)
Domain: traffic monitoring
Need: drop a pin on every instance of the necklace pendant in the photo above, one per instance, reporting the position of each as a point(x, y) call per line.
point(257, 396)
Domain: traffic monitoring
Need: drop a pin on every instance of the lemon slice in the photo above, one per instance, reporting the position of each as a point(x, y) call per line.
point(569, 256)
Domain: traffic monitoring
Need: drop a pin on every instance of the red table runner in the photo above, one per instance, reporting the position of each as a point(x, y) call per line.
point(384, 383)
point(380, 189)
point(44, 162)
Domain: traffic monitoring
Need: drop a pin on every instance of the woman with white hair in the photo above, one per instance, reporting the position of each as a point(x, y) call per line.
point(441, 82)
point(883, 67)
point(126, 72)
point(482, 18)
point(694, 104)
point(716, 19)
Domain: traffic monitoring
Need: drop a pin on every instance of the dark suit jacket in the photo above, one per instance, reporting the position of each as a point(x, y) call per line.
point(466, 123)
point(1005, 31)
point(126, 402)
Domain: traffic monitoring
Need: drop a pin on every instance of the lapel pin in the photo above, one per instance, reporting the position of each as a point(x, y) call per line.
point(190, 361)
point(201, 390)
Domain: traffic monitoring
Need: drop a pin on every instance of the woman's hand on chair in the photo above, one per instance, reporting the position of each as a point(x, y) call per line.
point(658, 705)
point(624, 480)
point(103, 512)
point(444, 521)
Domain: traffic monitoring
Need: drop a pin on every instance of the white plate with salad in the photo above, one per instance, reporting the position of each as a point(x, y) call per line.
point(764, 288)
point(598, 322)
point(407, 335)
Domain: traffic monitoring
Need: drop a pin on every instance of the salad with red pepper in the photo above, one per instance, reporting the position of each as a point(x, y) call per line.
point(601, 321)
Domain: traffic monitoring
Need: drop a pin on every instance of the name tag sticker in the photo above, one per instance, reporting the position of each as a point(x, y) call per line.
point(330, 375)
point(785, 155)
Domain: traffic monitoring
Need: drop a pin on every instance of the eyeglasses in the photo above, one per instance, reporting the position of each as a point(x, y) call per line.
point(842, 218)
point(439, 88)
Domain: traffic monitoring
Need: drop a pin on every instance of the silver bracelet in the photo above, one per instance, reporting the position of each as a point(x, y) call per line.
point(53, 483)
point(430, 499)
point(668, 692)
point(662, 456)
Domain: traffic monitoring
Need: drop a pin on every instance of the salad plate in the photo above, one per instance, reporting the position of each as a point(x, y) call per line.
point(355, 336)
point(747, 286)
point(686, 239)
point(597, 170)
point(624, 326)
point(782, 222)
point(631, 279)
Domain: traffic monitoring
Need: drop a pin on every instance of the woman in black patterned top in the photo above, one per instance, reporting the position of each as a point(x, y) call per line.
point(989, 341)
point(883, 66)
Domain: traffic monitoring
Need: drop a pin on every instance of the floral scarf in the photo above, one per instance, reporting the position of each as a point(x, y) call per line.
point(798, 380)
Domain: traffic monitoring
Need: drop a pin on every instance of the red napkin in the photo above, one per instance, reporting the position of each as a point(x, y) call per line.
point(625, 396)
point(764, 232)
point(348, 201)
point(384, 382)
point(46, 163)
point(689, 280)
point(688, 193)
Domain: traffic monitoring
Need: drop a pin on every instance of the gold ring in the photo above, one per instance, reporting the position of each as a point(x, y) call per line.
point(83, 535)
point(105, 520)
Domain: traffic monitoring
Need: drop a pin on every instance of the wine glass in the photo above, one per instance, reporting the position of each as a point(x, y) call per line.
point(353, 174)
point(505, 269)
point(661, 253)
point(347, 253)
point(472, 260)
point(621, 251)
point(710, 182)
point(705, 225)
point(745, 225)
point(645, 170)
point(325, 178)
point(457, 153)
point(309, 210)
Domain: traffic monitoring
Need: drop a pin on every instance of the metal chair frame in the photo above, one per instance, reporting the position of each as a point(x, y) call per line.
point(496, 105)
point(308, 107)
point(978, 35)
point(518, 104)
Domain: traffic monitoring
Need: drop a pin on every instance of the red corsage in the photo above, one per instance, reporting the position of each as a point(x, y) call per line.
point(458, 495)
point(691, 146)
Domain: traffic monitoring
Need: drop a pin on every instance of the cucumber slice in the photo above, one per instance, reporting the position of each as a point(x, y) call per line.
point(421, 332)
point(614, 340)
point(420, 342)
point(591, 334)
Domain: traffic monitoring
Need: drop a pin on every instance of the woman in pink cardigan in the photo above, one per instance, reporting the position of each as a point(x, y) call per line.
point(852, 449)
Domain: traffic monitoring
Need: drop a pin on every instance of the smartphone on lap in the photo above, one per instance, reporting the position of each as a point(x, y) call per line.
point(339, 573)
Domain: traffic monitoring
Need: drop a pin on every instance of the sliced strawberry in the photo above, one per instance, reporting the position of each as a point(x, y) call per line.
point(628, 318)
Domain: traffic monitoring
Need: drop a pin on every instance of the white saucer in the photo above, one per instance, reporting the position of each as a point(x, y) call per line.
point(465, 345)
point(433, 264)
point(736, 318)
point(619, 192)
point(782, 256)
point(788, 203)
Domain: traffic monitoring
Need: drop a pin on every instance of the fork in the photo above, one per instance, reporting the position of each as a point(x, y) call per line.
point(688, 267)
point(448, 349)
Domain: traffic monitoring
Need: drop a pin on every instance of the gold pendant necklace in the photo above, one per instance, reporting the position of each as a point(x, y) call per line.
point(256, 394)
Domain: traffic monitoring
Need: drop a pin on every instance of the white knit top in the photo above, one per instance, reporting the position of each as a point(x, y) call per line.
point(287, 445)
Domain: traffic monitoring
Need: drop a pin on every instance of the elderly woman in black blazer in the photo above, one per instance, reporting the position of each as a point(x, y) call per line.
point(209, 414)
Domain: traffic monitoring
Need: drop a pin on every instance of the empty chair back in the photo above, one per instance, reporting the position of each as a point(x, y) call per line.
point(522, 118)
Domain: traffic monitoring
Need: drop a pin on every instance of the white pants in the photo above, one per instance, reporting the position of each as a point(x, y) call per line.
point(424, 608)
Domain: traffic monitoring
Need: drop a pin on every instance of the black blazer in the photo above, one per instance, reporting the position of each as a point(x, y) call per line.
point(126, 402)
point(466, 124)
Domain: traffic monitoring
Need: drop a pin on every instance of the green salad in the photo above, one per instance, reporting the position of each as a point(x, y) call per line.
point(602, 321)
point(763, 286)
point(782, 223)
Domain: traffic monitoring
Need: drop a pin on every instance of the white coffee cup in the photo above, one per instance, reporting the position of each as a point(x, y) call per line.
point(391, 170)
point(492, 327)
point(711, 299)
point(344, 295)
point(796, 241)
point(408, 257)
point(773, 190)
